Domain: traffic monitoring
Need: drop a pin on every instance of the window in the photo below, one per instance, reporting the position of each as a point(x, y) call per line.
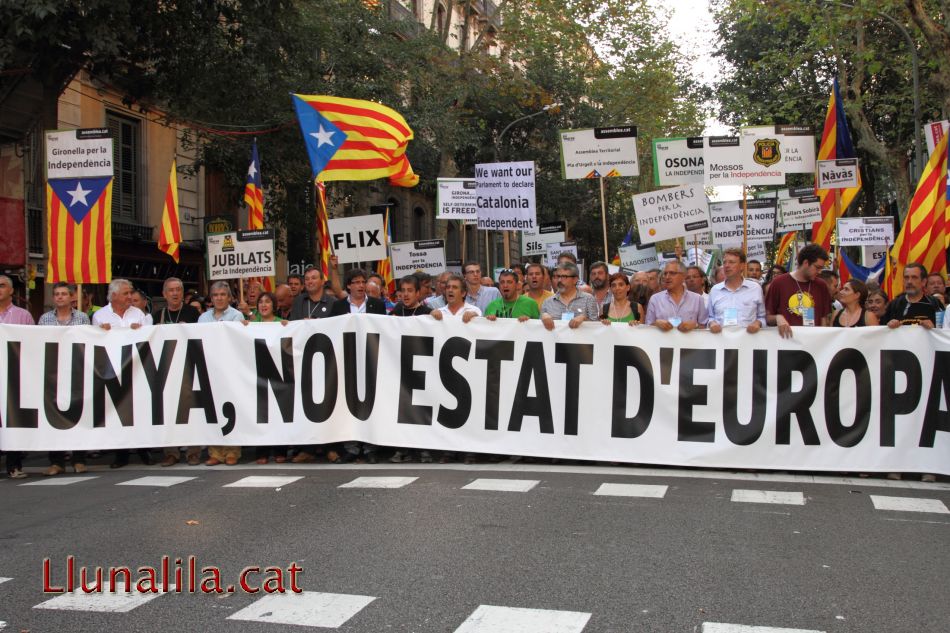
point(419, 231)
point(126, 155)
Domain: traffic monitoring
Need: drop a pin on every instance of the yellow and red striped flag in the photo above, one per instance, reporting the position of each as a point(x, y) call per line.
point(353, 139)
point(169, 238)
point(254, 197)
point(783, 251)
point(323, 230)
point(835, 143)
point(923, 238)
point(385, 266)
point(79, 230)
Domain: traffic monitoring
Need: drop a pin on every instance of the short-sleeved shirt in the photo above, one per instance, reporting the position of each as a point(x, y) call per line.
point(75, 318)
point(746, 300)
point(132, 316)
point(912, 313)
point(16, 316)
point(231, 314)
point(691, 307)
point(545, 295)
point(484, 296)
point(458, 315)
point(789, 297)
point(185, 314)
point(521, 306)
point(401, 310)
point(582, 303)
point(435, 301)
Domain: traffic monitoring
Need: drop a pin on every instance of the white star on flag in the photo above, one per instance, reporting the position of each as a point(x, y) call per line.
point(324, 137)
point(79, 195)
point(252, 169)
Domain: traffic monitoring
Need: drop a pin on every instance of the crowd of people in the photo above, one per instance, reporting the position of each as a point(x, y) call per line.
point(680, 297)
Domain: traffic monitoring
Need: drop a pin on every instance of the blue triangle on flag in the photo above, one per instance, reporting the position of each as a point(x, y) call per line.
point(79, 195)
point(320, 135)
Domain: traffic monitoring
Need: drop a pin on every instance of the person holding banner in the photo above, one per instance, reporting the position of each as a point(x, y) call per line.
point(675, 306)
point(737, 301)
point(119, 312)
point(220, 312)
point(357, 301)
point(535, 276)
point(569, 304)
point(455, 304)
point(620, 309)
point(512, 304)
point(598, 279)
point(314, 302)
point(913, 307)
point(800, 297)
point(853, 295)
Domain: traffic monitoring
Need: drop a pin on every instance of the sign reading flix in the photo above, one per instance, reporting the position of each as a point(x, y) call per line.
point(603, 152)
point(358, 238)
point(504, 196)
point(241, 254)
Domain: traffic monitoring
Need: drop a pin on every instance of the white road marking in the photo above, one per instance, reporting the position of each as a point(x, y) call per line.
point(379, 482)
point(310, 608)
point(909, 504)
point(104, 602)
point(632, 490)
point(503, 485)
point(160, 481)
point(262, 481)
point(491, 619)
point(768, 496)
point(3, 580)
point(720, 627)
point(59, 481)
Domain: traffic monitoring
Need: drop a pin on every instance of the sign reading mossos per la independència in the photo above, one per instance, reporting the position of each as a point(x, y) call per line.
point(455, 200)
point(241, 254)
point(668, 213)
point(865, 231)
point(678, 161)
point(359, 238)
point(85, 153)
point(841, 173)
point(505, 196)
point(426, 255)
point(727, 221)
point(743, 160)
point(602, 152)
point(796, 145)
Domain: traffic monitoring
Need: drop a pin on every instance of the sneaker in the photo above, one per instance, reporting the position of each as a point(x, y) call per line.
point(170, 460)
point(303, 457)
point(16, 473)
point(371, 458)
point(928, 478)
point(400, 457)
point(80, 468)
point(425, 457)
point(894, 476)
point(54, 469)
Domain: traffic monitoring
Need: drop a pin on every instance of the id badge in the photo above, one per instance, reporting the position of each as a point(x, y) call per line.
point(730, 316)
point(808, 316)
point(675, 321)
point(567, 316)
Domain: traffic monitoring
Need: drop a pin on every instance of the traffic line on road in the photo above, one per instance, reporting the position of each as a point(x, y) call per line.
point(492, 619)
point(721, 627)
point(632, 490)
point(263, 481)
point(3, 580)
point(309, 608)
point(100, 602)
point(502, 485)
point(768, 496)
point(909, 504)
point(159, 481)
point(60, 481)
point(379, 482)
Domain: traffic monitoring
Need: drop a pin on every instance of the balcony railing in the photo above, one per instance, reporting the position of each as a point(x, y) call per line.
point(37, 231)
point(133, 232)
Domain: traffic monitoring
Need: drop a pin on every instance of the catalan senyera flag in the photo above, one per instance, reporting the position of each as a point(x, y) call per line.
point(323, 230)
point(835, 143)
point(169, 238)
point(353, 139)
point(923, 238)
point(384, 268)
point(254, 197)
point(783, 251)
point(79, 230)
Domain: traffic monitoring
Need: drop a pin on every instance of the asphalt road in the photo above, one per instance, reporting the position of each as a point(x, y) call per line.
point(432, 556)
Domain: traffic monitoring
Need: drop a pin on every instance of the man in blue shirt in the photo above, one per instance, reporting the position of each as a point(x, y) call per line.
point(736, 302)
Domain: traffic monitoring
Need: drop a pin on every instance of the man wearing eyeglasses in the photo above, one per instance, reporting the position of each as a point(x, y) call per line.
point(675, 306)
point(512, 304)
point(569, 304)
point(476, 294)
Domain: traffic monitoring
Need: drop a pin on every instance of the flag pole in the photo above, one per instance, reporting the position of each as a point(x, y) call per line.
point(79, 296)
point(745, 222)
point(507, 249)
point(834, 261)
point(603, 218)
point(462, 223)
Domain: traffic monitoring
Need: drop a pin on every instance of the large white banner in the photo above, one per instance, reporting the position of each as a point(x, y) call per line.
point(826, 399)
point(668, 213)
point(678, 161)
point(602, 152)
point(505, 196)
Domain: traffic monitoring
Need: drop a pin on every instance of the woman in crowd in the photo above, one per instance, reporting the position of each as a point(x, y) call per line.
point(876, 303)
point(853, 297)
point(620, 309)
point(267, 313)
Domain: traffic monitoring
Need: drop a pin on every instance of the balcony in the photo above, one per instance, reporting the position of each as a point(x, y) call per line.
point(37, 231)
point(132, 232)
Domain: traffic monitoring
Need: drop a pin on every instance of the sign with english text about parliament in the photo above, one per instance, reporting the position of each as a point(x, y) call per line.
point(505, 196)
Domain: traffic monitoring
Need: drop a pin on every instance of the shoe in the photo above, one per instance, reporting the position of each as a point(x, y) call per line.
point(194, 460)
point(303, 457)
point(80, 468)
point(399, 457)
point(371, 458)
point(929, 478)
point(425, 457)
point(469, 459)
point(170, 460)
point(146, 457)
point(54, 469)
point(16, 473)
point(894, 476)
point(263, 460)
point(119, 464)
point(280, 459)
point(212, 461)
point(231, 460)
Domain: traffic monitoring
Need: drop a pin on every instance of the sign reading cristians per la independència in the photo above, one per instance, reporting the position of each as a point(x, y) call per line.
point(603, 152)
point(505, 196)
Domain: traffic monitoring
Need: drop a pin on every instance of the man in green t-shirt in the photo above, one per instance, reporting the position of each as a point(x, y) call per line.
point(512, 304)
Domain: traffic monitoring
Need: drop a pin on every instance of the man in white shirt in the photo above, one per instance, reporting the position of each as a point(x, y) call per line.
point(120, 313)
point(455, 306)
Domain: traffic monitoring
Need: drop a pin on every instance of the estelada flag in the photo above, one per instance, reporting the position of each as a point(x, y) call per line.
point(353, 139)
point(79, 230)
point(169, 238)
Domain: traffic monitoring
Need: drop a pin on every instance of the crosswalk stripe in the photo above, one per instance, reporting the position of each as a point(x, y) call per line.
point(492, 619)
point(263, 481)
point(502, 485)
point(160, 481)
point(60, 481)
point(768, 496)
point(309, 608)
point(721, 627)
point(3, 580)
point(100, 602)
point(909, 504)
point(632, 490)
point(379, 482)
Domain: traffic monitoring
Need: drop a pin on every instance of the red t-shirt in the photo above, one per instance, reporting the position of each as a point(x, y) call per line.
point(787, 296)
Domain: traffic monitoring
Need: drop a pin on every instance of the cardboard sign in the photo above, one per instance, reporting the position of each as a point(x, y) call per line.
point(797, 148)
point(455, 200)
point(667, 213)
point(865, 231)
point(798, 213)
point(727, 221)
point(359, 238)
point(841, 173)
point(637, 258)
point(426, 255)
point(85, 153)
point(241, 254)
point(536, 242)
point(933, 132)
point(554, 251)
point(603, 152)
point(872, 255)
point(749, 159)
point(504, 196)
point(678, 161)
point(698, 257)
point(755, 250)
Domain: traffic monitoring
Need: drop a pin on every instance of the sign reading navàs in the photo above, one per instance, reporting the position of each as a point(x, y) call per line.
point(865, 231)
point(602, 152)
point(358, 238)
point(504, 196)
point(426, 255)
point(536, 242)
point(841, 173)
point(678, 161)
point(85, 153)
point(743, 160)
point(668, 213)
point(241, 254)
point(455, 200)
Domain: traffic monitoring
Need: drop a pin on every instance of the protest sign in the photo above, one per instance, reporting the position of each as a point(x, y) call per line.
point(841, 173)
point(727, 221)
point(638, 257)
point(797, 145)
point(553, 251)
point(426, 255)
point(872, 255)
point(678, 161)
point(241, 254)
point(505, 196)
point(599, 152)
point(865, 231)
point(83, 153)
point(534, 242)
point(933, 132)
point(358, 238)
point(743, 160)
point(455, 200)
point(798, 213)
point(669, 213)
